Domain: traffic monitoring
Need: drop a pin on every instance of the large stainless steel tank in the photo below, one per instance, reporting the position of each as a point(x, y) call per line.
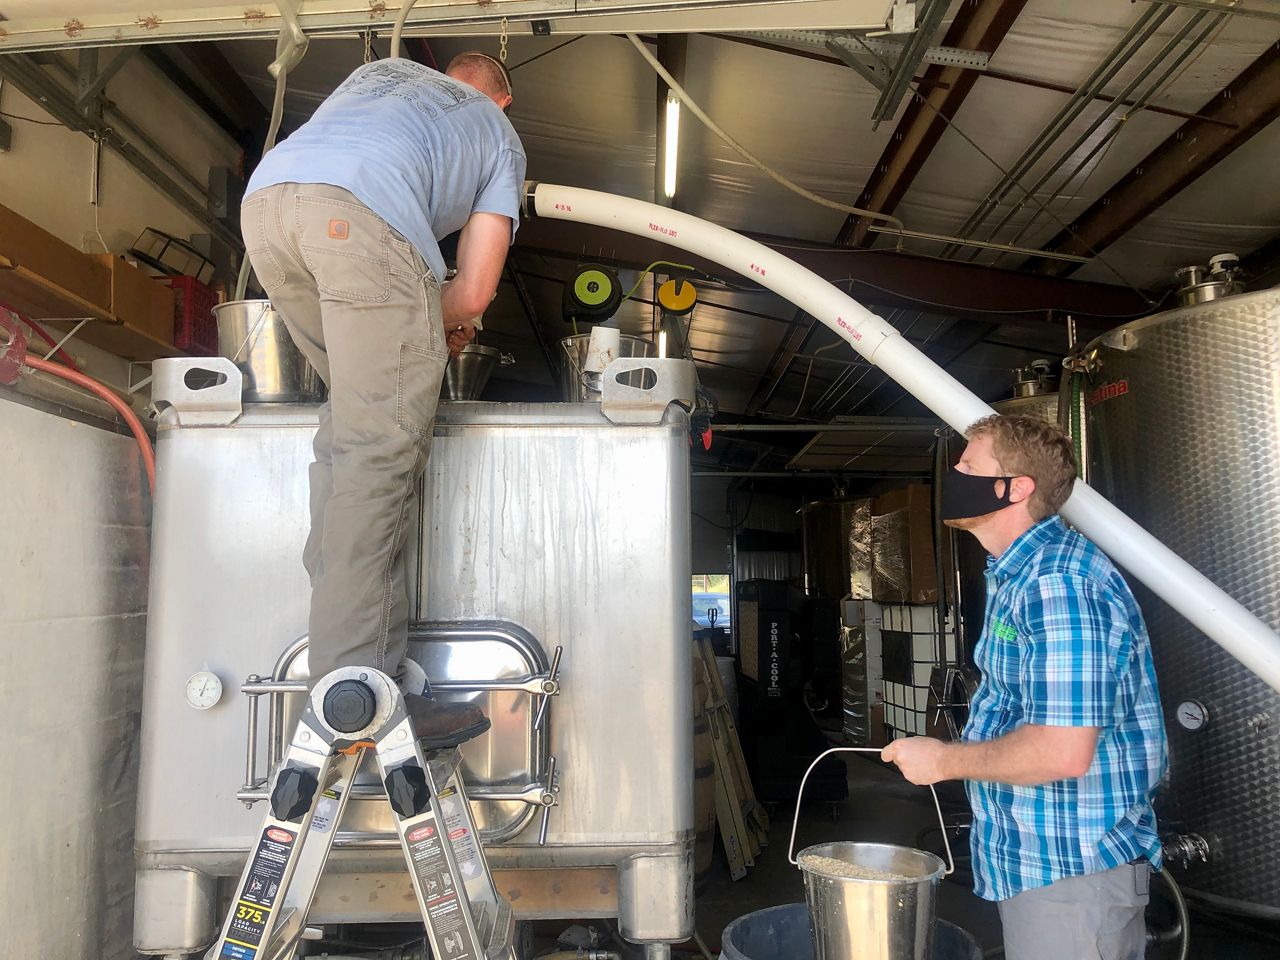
point(1183, 418)
point(541, 526)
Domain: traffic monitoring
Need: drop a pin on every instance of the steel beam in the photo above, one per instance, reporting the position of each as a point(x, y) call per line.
point(207, 79)
point(1251, 101)
point(922, 84)
point(60, 103)
point(795, 341)
point(879, 277)
point(930, 13)
point(92, 81)
point(1226, 6)
point(978, 26)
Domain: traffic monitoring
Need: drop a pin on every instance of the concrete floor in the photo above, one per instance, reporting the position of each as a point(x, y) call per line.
point(882, 807)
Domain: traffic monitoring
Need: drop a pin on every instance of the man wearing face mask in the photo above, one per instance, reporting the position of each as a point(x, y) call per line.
point(1065, 741)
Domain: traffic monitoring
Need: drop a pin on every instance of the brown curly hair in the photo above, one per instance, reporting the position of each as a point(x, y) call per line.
point(1035, 448)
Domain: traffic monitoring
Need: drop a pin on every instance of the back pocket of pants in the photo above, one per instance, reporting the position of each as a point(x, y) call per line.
point(345, 246)
point(418, 388)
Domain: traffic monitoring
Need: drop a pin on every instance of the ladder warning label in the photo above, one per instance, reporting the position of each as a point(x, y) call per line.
point(456, 821)
point(258, 895)
point(450, 937)
point(322, 819)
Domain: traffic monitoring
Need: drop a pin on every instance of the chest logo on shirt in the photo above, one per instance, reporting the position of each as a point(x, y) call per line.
point(1002, 631)
point(339, 229)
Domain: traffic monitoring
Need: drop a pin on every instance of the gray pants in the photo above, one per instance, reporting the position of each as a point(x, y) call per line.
point(365, 310)
point(1095, 917)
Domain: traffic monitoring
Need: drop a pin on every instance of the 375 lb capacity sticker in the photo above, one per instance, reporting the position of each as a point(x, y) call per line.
point(258, 896)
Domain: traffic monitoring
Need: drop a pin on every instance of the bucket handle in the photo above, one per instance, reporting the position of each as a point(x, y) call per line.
point(951, 863)
point(253, 333)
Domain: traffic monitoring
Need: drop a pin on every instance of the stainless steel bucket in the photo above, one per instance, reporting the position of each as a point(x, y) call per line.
point(574, 357)
point(252, 335)
point(467, 374)
point(870, 901)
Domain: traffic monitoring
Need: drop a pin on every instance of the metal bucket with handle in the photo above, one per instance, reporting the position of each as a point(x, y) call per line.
point(870, 901)
point(252, 335)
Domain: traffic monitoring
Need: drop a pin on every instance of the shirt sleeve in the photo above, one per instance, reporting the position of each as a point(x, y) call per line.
point(500, 193)
point(1074, 637)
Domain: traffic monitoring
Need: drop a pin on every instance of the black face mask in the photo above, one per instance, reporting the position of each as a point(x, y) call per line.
point(965, 496)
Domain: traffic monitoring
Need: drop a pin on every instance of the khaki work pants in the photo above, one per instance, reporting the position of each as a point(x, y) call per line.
point(364, 309)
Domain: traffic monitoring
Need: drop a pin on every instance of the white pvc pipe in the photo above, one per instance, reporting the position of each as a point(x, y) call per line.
point(1166, 574)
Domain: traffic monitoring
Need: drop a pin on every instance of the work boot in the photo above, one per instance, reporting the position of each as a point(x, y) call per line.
point(439, 725)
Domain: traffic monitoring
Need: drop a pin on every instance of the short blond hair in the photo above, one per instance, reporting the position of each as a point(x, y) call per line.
point(481, 71)
point(1035, 448)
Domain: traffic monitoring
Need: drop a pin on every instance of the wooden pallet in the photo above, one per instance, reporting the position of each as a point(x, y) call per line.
point(743, 821)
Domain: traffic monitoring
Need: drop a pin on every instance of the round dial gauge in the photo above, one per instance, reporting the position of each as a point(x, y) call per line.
point(1192, 715)
point(204, 689)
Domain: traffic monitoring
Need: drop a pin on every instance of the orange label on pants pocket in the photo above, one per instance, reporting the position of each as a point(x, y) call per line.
point(339, 229)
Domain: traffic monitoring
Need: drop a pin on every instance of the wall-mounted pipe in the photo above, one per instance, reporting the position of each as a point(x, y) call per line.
point(1170, 577)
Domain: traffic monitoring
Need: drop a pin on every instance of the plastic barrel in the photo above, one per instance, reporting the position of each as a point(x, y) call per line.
point(782, 933)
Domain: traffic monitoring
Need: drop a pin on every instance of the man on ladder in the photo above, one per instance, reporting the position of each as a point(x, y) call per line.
point(342, 223)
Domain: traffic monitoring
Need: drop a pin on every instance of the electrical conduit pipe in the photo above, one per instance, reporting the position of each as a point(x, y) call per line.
point(1167, 575)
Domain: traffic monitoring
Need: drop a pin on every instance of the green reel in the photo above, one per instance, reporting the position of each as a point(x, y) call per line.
point(593, 294)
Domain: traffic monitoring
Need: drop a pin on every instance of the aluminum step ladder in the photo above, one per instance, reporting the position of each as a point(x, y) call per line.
point(349, 711)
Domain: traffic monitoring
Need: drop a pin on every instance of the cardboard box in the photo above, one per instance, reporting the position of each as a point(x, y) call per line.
point(902, 564)
point(137, 300)
point(49, 277)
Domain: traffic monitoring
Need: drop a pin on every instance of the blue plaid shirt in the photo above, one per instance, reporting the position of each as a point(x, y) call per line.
point(1063, 644)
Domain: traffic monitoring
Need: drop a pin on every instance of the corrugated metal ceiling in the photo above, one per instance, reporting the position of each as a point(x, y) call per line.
point(587, 114)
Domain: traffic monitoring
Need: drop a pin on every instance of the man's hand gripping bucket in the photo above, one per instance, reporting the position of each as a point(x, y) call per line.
point(869, 901)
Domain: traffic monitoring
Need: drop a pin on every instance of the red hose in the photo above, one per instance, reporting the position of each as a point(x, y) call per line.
point(122, 408)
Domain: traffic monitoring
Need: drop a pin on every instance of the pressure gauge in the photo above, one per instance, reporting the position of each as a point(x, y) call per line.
point(1192, 715)
point(204, 689)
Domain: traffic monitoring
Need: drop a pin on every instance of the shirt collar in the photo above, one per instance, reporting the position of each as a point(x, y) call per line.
point(1022, 549)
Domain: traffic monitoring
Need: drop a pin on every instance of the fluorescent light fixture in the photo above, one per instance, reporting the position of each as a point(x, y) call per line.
point(662, 344)
point(673, 146)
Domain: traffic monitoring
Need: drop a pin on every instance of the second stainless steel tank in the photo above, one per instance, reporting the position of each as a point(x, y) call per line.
point(1183, 432)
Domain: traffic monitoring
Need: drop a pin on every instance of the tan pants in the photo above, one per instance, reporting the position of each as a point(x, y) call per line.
point(365, 310)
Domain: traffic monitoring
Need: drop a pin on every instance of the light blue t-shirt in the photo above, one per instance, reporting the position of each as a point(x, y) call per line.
point(420, 149)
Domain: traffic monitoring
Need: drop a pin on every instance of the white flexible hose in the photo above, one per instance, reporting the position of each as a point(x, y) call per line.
point(291, 46)
point(747, 155)
point(1170, 577)
point(398, 29)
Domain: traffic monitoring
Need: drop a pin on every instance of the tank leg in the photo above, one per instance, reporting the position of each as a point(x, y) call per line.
point(657, 951)
point(655, 897)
